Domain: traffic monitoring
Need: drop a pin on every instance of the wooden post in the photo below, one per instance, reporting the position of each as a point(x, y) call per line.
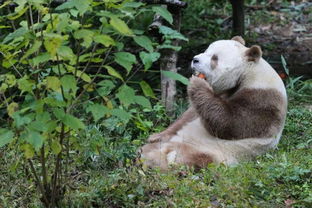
point(168, 62)
point(169, 57)
point(238, 17)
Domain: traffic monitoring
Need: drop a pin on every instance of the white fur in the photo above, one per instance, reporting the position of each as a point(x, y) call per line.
point(230, 55)
point(233, 66)
point(224, 151)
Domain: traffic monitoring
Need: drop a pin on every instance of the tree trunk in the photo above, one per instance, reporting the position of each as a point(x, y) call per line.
point(168, 62)
point(238, 17)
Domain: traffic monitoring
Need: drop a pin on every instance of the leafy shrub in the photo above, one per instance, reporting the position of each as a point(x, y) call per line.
point(61, 65)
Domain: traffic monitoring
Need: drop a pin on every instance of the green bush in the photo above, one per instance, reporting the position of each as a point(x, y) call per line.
point(60, 65)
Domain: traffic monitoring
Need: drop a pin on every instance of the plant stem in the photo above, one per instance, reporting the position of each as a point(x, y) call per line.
point(38, 182)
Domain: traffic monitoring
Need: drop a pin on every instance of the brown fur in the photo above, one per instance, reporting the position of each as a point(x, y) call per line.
point(239, 39)
point(188, 155)
point(186, 117)
point(254, 53)
point(214, 61)
point(239, 113)
point(248, 113)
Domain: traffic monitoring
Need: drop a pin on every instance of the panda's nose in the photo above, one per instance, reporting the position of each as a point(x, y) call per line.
point(195, 60)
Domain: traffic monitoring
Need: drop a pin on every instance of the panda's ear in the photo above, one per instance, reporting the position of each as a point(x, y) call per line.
point(239, 39)
point(254, 53)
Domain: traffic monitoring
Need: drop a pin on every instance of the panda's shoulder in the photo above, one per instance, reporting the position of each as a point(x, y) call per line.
point(257, 97)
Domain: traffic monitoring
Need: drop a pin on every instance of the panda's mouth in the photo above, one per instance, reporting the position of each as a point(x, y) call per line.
point(200, 75)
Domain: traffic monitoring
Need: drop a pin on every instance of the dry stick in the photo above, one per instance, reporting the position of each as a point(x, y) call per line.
point(38, 181)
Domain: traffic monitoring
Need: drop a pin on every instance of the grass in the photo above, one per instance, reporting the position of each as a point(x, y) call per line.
point(105, 174)
point(279, 178)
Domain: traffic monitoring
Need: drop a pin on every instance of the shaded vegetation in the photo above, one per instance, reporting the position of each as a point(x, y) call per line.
point(101, 168)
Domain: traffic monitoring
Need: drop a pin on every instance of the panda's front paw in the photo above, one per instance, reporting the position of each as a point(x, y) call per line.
point(198, 86)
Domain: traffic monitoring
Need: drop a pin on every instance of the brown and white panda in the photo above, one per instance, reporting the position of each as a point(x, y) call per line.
point(236, 113)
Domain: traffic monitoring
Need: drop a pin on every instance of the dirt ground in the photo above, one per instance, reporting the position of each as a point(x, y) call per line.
point(286, 31)
point(281, 29)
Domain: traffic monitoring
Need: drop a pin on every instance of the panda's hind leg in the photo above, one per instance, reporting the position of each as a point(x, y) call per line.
point(189, 155)
point(163, 155)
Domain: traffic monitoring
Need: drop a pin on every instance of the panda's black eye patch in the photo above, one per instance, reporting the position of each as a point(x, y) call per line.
point(214, 57)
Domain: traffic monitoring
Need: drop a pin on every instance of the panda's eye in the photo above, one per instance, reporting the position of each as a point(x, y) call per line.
point(214, 58)
point(214, 61)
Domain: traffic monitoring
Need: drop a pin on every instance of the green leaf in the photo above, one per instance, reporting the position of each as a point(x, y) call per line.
point(53, 83)
point(171, 34)
point(66, 5)
point(35, 139)
point(149, 58)
point(120, 26)
point(29, 151)
point(20, 32)
point(126, 95)
point(105, 40)
point(147, 90)
point(98, 111)
point(106, 87)
point(85, 77)
point(143, 101)
point(6, 136)
point(175, 76)
point(81, 5)
point(111, 71)
point(69, 84)
point(86, 35)
point(163, 12)
point(37, 126)
point(40, 59)
point(56, 147)
point(20, 120)
point(284, 63)
point(144, 42)
point(59, 113)
point(25, 84)
point(72, 122)
point(34, 48)
point(52, 43)
point(121, 114)
point(19, 13)
point(125, 59)
point(12, 108)
point(65, 53)
point(133, 4)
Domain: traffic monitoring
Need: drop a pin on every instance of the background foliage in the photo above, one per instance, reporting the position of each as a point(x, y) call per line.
point(78, 89)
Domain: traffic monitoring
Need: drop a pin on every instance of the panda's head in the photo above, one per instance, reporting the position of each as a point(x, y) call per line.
point(225, 62)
